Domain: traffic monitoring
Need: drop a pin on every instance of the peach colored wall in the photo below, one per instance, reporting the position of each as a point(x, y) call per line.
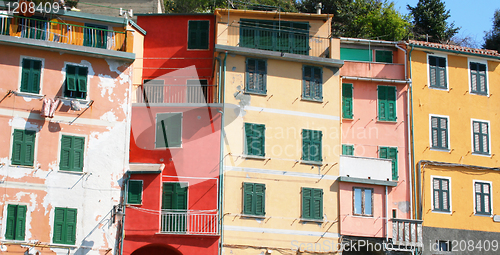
point(373, 70)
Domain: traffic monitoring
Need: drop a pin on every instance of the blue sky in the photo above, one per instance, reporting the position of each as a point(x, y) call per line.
point(474, 17)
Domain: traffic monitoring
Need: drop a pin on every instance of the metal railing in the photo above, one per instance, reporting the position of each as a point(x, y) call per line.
point(174, 94)
point(189, 223)
point(56, 31)
point(407, 232)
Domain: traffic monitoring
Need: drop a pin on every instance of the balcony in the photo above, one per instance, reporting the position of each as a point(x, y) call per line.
point(407, 232)
point(176, 94)
point(368, 170)
point(375, 70)
point(189, 223)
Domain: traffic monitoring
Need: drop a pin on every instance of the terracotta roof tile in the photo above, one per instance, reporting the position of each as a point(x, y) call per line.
point(455, 48)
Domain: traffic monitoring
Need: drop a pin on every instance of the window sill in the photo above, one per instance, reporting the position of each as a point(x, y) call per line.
point(481, 154)
point(255, 93)
point(63, 246)
point(442, 212)
point(169, 148)
point(254, 157)
point(27, 94)
point(311, 220)
point(387, 121)
point(479, 93)
point(483, 215)
point(440, 149)
point(344, 118)
point(362, 216)
point(308, 162)
point(83, 102)
point(253, 216)
point(439, 88)
point(312, 100)
point(72, 172)
point(21, 166)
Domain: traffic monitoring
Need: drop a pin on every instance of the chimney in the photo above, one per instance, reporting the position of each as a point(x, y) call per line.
point(318, 8)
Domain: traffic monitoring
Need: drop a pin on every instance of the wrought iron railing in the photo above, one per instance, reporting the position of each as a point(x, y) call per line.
point(174, 94)
point(407, 232)
point(189, 223)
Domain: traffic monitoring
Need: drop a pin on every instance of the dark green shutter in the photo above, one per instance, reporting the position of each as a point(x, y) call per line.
point(70, 226)
point(256, 72)
point(20, 222)
point(312, 84)
point(387, 103)
point(134, 195)
point(198, 34)
point(254, 198)
point(312, 203)
point(382, 102)
point(347, 111)
point(71, 78)
point(66, 142)
point(255, 139)
point(355, 54)
point(168, 130)
point(30, 76)
point(316, 153)
point(248, 198)
point(437, 72)
point(82, 79)
point(174, 196)
point(347, 149)
point(391, 153)
point(384, 56)
point(59, 225)
point(72, 153)
point(306, 144)
point(260, 135)
point(17, 147)
point(11, 222)
point(306, 203)
point(23, 147)
point(25, 75)
point(78, 149)
point(260, 199)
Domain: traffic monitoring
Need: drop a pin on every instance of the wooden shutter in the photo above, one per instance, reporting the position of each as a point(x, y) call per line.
point(443, 132)
point(383, 152)
point(393, 154)
point(10, 231)
point(181, 191)
point(198, 34)
point(445, 195)
point(25, 75)
point(483, 88)
point(387, 103)
point(134, 192)
point(391, 103)
point(174, 196)
point(71, 78)
point(317, 206)
point(260, 198)
point(168, 195)
point(347, 103)
point(78, 151)
point(36, 71)
point(59, 225)
point(260, 137)
point(66, 143)
point(306, 144)
point(248, 198)
point(20, 222)
point(70, 234)
point(29, 147)
point(307, 80)
point(315, 152)
point(382, 102)
point(442, 72)
point(306, 203)
point(82, 79)
point(169, 130)
point(347, 149)
point(18, 153)
point(384, 56)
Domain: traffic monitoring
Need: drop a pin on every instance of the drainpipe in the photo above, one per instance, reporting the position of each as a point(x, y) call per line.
point(220, 79)
point(221, 159)
point(411, 138)
point(386, 216)
point(124, 202)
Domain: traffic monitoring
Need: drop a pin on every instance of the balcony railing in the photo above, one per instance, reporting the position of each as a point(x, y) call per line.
point(407, 232)
point(175, 94)
point(189, 223)
point(39, 29)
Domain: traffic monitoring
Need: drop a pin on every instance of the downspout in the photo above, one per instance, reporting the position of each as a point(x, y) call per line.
point(411, 138)
point(419, 190)
point(125, 184)
point(386, 216)
point(220, 79)
point(221, 159)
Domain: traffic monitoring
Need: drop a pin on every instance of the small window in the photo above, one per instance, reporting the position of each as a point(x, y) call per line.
point(439, 132)
point(363, 202)
point(64, 226)
point(254, 199)
point(198, 34)
point(443, 245)
point(23, 147)
point(95, 36)
point(72, 151)
point(16, 222)
point(311, 145)
point(134, 194)
point(394, 214)
point(387, 103)
point(392, 154)
point(348, 149)
point(441, 194)
point(347, 112)
point(255, 139)
point(312, 203)
point(168, 130)
point(76, 82)
point(256, 76)
point(481, 139)
point(478, 82)
point(384, 56)
point(31, 75)
point(437, 72)
point(312, 83)
point(483, 198)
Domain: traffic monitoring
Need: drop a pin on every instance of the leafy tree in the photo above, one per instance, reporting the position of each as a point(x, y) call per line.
point(204, 6)
point(429, 21)
point(492, 37)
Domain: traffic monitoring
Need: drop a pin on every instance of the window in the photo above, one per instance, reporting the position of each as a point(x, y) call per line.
point(72, 149)
point(31, 75)
point(76, 82)
point(356, 54)
point(482, 197)
point(255, 139)
point(384, 56)
point(256, 76)
point(441, 194)
point(23, 147)
point(439, 132)
point(394, 214)
point(311, 145)
point(391, 153)
point(387, 103)
point(134, 195)
point(168, 130)
point(174, 201)
point(16, 222)
point(437, 72)
point(312, 83)
point(64, 226)
point(481, 139)
point(198, 34)
point(348, 149)
point(347, 101)
point(478, 82)
point(363, 201)
point(312, 203)
point(443, 245)
point(95, 36)
point(254, 198)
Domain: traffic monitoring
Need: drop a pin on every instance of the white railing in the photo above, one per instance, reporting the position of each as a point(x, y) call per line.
point(168, 94)
point(407, 232)
point(189, 223)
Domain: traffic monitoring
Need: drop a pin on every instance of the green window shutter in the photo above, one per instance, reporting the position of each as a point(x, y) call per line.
point(181, 197)
point(260, 135)
point(70, 226)
point(25, 75)
point(347, 149)
point(82, 79)
point(383, 152)
point(10, 231)
point(66, 155)
point(59, 226)
point(441, 195)
point(20, 222)
point(168, 195)
point(393, 155)
point(306, 203)
point(312, 84)
point(439, 132)
point(248, 198)
point(78, 149)
point(18, 154)
point(387, 103)
point(260, 199)
point(437, 72)
point(168, 130)
point(391, 103)
point(384, 56)
point(306, 144)
point(30, 76)
point(134, 195)
point(312, 203)
point(71, 78)
point(478, 78)
point(382, 102)
point(355, 54)
point(256, 72)
point(198, 34)
point(174, 196)
point(316, 147)
point(29, 147)
point(347, 103)
point(255, 139)
point(72, 153)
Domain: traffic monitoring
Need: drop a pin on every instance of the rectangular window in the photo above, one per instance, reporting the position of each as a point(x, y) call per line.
point(95, 36)
point(254, 198)
point(76, 82)
point(168, 130)
point(437, 72)
point(255, 139)
point(363, 201)
point(134, 194)
point(23, 147)
point(72, 151)
point(356, 54)
point(198, 34)
point(483, 198)
point(312, 83)
point(441, 194)
point(311, 145)
point(481, 139)
point(16, 222)
point(174, 202)
point(64, 226)
point(31, 75)
point(384, 56)
point(439, 132)
point(478, 82)
point(443, 245)
point(256, 76)
point(348, 149)
point(312, 203)
point(387, 103)
point(391, 153)
point(347, 112)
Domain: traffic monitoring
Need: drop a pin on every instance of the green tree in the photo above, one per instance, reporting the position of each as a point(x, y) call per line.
point(492, 37)
point(205, 6)
point(429, 21)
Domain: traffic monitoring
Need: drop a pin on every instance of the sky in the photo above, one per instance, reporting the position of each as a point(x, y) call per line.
point(474, 17)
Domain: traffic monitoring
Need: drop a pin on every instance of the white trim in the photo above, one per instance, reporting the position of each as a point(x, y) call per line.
point(58, 119)
point(142, 191)
point(447, 131)
point(280, 173)
point(59, 147)
point(480, 61)
point(472, 137)
point(280, 231)
point(35, 149)
point(292, 113)
point(22, 185)
point(42, 68)
point(63, 89)
point(395, 105)
point(474, 198)
point(447, 71)
point(4, 220)
point(156, 128)
point(449, 194)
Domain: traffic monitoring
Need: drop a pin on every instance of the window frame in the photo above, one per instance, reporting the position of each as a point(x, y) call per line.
point(89, 68)
point(247, 79)
point(35, 144)
point(312, 98)
point(388, 119)
point(128, 191)
point(4, 220)
point(321, 212)
point(344, 148)
point(472, 138)
point(348, 114)
point(208, 33)
point(490, 204)
point(447, 88)
point(383, 50)
point(42, 69)
point(363, 214)
point(85, 138)
point(263, 139)
point(447, 132)
point(53, 232)
point(156, 129)
point(308, 159)
point(254, 194)
point(449, 211)
point(481, 62)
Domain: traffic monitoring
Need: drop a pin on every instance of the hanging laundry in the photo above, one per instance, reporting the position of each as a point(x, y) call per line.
point(49, 107)
point(75, 105)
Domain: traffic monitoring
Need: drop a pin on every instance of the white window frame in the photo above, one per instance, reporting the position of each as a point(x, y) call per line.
point(4, 218)
point(449, 194)
point(447, 128)
point(42, 69)
point(89, 68)
point(35, 150)
point(182, 129)
point(480, 61)
point(474, 198)
point(472, 138)
point(447, 71)
point(59, 147)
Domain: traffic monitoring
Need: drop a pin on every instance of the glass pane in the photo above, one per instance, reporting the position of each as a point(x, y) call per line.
point(368, 202)
point(357, 201)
